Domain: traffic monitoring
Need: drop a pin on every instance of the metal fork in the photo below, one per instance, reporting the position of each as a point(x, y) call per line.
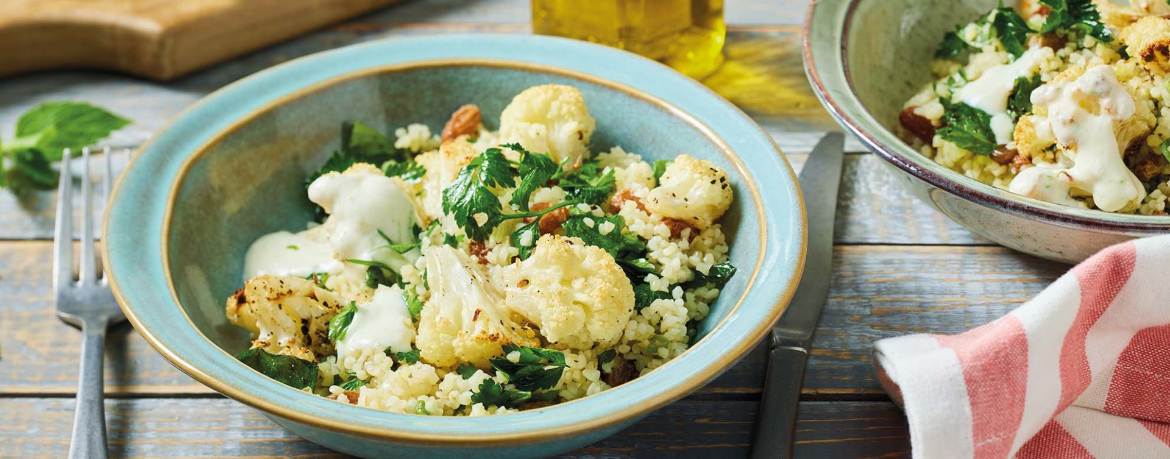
point(85, 302)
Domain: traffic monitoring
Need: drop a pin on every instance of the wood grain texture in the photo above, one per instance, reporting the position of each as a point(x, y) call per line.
point(39, 428)
point(876, 292)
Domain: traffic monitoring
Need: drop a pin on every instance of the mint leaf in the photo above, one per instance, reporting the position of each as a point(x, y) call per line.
point(968, 128)
point(536, 369)
point(289, 370)
point(339, 324)
point(29, 170)
point(52, 127)
point(1075, 15)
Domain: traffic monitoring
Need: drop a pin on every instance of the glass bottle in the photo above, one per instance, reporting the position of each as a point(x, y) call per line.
point(687, 35)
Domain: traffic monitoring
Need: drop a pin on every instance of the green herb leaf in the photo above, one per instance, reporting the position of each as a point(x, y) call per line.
point(660, 168)
point(413, 304)
point(536, 368)
point(466, 370)
point(606, 357)
point(337, 162)
point(289, 370)
point(471, 194)
point(1078, 15)
point(421, 408)
point(532, 230)
point(52, 127)
point(644, 296)
point(589, 183)
point(535, 170)
point(320, 279)
point(30, 170)
point(339, 324)
point(409, 358)
point(368, 145)
point(452, 240)
point(626, 248)
point(1012, 30)
point(951, 46)
point(492, 393)
point(716, 277)
point(353, 384)
point(968, 128)
point(1165, 149)
point(1020, 102)
point(655, 343)
point(406, 170)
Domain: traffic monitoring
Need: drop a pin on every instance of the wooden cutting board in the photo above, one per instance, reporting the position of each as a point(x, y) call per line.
point(157, 39)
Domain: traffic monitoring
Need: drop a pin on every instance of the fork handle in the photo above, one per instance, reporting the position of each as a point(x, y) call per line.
point(89, 423)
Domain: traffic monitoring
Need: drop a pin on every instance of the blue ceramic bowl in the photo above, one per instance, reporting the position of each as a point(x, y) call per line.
point(231, 167)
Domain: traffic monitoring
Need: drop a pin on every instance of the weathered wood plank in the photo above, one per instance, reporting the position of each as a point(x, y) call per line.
point(877, 292)
point(35, 428)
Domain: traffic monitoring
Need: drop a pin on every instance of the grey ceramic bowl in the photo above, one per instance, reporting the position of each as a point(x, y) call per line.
point(232, 167)
point(865, 58)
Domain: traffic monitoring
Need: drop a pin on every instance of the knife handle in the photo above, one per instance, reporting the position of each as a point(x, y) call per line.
point(776, 418)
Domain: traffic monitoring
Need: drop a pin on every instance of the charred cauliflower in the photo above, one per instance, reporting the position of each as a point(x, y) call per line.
point(577, 294)
point(549, 119)
point(1149, 40)
point(465, 319)
point(691, 190)
point(288, 315)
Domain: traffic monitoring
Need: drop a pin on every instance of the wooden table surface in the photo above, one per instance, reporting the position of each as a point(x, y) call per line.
point(899, 267)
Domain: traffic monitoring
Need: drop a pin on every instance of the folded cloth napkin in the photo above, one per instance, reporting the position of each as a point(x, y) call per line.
point(1081, 371)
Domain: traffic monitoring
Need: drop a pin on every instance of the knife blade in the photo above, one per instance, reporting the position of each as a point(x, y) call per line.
point(792, 334)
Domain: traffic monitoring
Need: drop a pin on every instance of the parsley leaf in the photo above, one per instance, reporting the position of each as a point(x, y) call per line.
point(353, 384)
point(535, 170)
point(1079, 15)
point(407, 170)
point(413, 304)
point(716, 277)
point(589, 183)
point(1012, 30)
point(1020, 102)
point(52, 127)
point(644, 296)
point(1165, 149)
point(368, 145)
point(626, 248)
point(378, 273)
point(286, 369)
point(320, 279)
point(951, 46)
point(606, 357)
point(421, 408)
point(536, 368)
point(492, 393)
point(968, 128)
point(524, 238)
point(660, 168)
point(466, 370)
point(470, 193)
point(410, 357)
point(339, 324)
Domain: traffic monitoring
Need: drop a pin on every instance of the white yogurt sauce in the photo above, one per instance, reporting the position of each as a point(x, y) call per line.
point(359, 205)
point(381, 323)
point(1083, 115)
point(990, 92)
point(286, 254)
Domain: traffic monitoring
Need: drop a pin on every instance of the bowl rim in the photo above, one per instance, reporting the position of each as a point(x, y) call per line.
point(834, 87)
point(446, 429)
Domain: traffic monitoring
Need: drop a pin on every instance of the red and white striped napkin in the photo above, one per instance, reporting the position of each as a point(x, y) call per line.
point(1081, 371)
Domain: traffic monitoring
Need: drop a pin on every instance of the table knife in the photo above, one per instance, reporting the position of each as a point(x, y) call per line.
point(792, 334)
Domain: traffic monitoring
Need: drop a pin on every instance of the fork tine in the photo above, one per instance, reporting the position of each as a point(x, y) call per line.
point(107, 188)
point(63, 233)
point(86, 275)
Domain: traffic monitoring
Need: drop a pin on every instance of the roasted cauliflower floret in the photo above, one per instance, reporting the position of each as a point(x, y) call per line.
point(577, 294)
point(442, 166)
point(1149, 40)
point(288, 315)
point(691, 190)
point(549, 119)
point(465, 319)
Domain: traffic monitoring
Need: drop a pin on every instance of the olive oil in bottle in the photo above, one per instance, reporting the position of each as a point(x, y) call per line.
point(685, 34)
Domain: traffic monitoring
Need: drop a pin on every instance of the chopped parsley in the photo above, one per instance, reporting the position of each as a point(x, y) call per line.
point(452, 240)
point(644, 296)
point(400, 248)
point(339, 324)
point(293, 247)
point(535, 169)
point(1078, 15)
point(1012, 30)
point(716, 277)
point(967, 127)
point(320, 279)
point(353, 384)
point(606, 357)
point(534, 369)
point(363, 144)
point(951, 46)
point(656, 342)
point(492, 393)
point(589, 183)
point(378, 273)
point(407, 170)
point(286, 369)
point(414, 305)
point(524, 238)
point(408, 358)
point(466, 370)
point(421, 408)
point(1020, 102)
point(1165, 149)
point(626, 248)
